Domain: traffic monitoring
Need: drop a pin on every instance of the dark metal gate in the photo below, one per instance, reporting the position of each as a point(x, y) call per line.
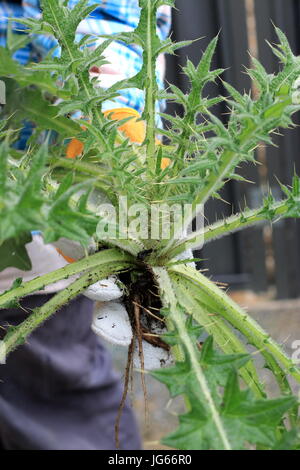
point(260, 257)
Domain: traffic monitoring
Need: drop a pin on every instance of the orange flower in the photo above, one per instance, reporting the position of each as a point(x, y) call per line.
point(134, 129)
point(165, 162)
point(74, 149)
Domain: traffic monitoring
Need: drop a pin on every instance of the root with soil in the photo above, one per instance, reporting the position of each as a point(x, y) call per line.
point(143, 304)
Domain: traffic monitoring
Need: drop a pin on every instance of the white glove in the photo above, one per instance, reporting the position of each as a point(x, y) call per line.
point(73, 251)
point(102, 291)
point(296, 91)
point(111, 322)
point(188, 254)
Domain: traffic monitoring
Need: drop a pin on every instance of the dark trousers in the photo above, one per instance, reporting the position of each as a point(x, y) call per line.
point(59, 391)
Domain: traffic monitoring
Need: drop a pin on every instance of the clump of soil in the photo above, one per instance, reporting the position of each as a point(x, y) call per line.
point(143, 304)
point(142, 292)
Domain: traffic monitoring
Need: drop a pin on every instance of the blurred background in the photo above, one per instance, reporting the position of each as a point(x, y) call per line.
point(265, 259)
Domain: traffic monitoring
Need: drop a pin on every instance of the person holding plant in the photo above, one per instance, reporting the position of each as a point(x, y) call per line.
point(59, 390)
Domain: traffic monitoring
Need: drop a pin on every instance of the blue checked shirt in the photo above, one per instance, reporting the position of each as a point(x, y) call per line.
point(111, 17)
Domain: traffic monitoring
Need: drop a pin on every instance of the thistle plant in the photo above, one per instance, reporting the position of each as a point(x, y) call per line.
point(227, 406)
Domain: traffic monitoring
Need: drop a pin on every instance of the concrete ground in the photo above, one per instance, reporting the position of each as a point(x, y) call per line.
point(279, 318)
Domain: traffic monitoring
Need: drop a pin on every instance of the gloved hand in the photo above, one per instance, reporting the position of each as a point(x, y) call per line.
point(296, 91)
point(111, 322)
point(102, 291)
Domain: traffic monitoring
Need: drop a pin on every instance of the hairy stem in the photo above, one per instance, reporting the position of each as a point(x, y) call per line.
point(151, 90)
point(230, 225)
point(111, 260)
point(229, 343)
point(215, 326)
point(179, 321)
point(282, 382)
point(227, 160)
point(242, 221)
point(238, 318)
point(19, 334)
point(79, 165)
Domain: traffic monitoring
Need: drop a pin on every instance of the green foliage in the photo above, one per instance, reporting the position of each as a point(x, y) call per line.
point(227, 404)
point(245, 419)
point(27, 205)
point(13, 253)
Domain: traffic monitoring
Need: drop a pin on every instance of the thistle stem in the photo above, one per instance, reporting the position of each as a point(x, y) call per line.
point(151, 90)
point(114, 259)
point(215, 326)
point(238, 318)
point(244, 220)
point(179, 321)
point(18, 335)
point(227, 160)
point(80, 166)
point(230, 225)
